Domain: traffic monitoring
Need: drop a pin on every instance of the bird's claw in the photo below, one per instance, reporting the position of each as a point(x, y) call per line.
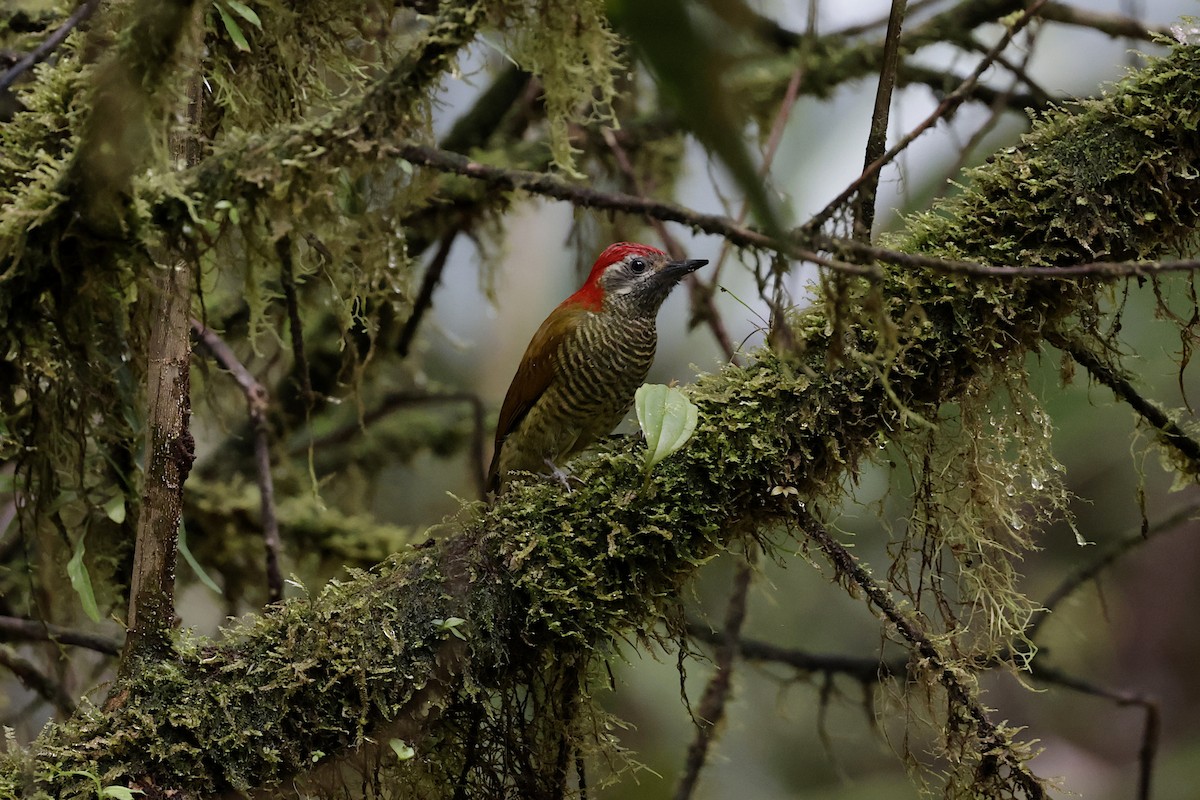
point(562, 476)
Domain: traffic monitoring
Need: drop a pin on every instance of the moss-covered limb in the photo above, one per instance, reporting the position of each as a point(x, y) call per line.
point(69, 219)
point(547, 574)
point(1110, 179)
point(564, 573)
point(122, 128)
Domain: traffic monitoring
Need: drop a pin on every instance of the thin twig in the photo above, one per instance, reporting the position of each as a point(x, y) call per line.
point(35, 680)
point(863, 669)
point(864, 218)
point(287, 280)
point(712, 705)
point(870, 671)
point(49, 45)
point(16, 629)
point(1151, 727)
point(424, 301)
point(800, 245)
point(1106, 558)
point(258, 401)
point(1169, 431)
point(945, 108)
point(940, 81)
point(993, 744)
point(1002, 100)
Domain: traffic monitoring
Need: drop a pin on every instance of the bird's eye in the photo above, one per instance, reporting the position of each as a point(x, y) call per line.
point(637, 266)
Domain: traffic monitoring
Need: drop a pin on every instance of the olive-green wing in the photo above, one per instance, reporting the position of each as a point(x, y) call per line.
point(532, 379)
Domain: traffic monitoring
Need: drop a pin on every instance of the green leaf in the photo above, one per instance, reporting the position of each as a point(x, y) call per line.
point(120, 792)
point(114, 509)
point(235, 30)
point(668, 420)
point(181, 545)
point(451, 625)
point(81, 582)
point(245, 12)
point(404, 751)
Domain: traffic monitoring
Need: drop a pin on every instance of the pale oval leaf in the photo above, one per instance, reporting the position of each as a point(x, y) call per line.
point(668, 420)
point(403, 750)
point(81, 582)
point(120, 792)
point(114, 509)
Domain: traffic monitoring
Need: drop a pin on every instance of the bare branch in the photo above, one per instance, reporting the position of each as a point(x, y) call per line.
point(1169, 431)
point(1115, 25)
point(258, 401)
point(864, 217)
point(945, 108)
point(1151, 726)
point(864, 669)
point(51, 43)
point(35, 680)
point(424, 301)
point(712, 705)
point(1108, 556)
point(15, 629)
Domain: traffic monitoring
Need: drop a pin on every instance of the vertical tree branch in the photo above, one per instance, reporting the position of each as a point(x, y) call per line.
point(945, 110)
point(155, 36)
point(864, 218)
point(287, 280)
point(424, 301)
point(169, 455)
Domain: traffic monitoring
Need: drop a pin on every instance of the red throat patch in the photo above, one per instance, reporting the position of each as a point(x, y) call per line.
point(591, 294)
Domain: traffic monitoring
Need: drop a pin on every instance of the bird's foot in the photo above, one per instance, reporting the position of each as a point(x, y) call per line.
point(562, 476)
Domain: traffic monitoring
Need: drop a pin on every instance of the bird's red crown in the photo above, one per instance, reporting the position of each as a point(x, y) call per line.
point(591, 294)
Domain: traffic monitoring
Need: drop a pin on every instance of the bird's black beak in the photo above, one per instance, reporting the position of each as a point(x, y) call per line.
point(677, 269)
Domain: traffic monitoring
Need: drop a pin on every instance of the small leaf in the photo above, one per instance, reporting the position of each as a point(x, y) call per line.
point(114, 509)
point(668, 420)
point(451, 624)
point(235, 30)
point(120, 792)
point(245, 12)
point(181, 545)
point(404, 751)
point(81, 582)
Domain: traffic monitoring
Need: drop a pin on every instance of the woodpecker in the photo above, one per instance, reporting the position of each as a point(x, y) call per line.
point(580, 371)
